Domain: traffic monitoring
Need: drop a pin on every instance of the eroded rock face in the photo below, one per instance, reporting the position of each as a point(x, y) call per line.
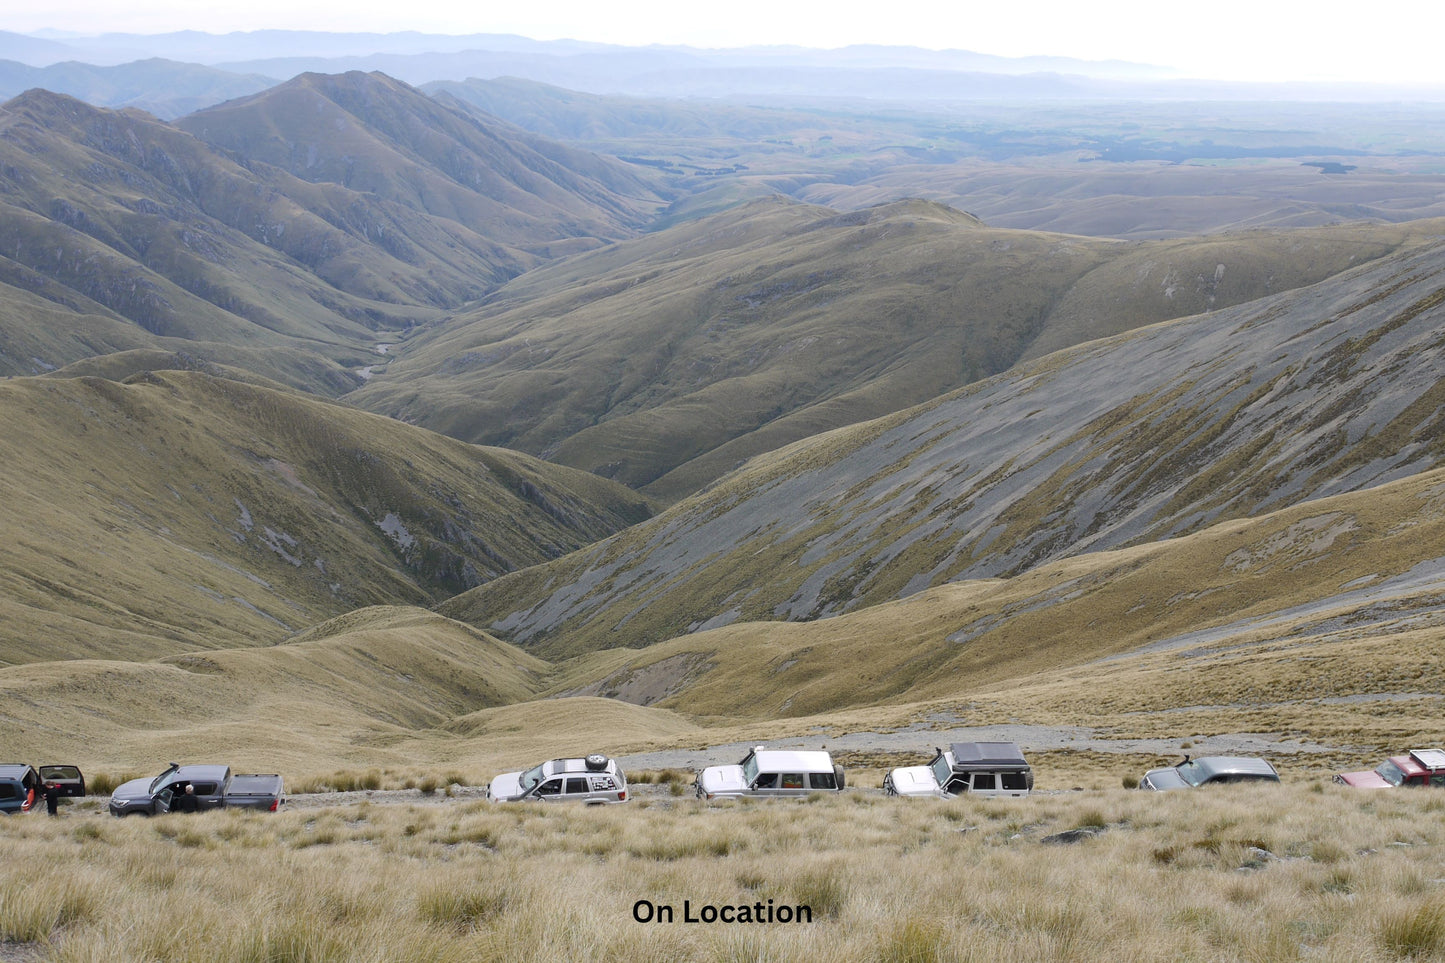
point(1330, 389)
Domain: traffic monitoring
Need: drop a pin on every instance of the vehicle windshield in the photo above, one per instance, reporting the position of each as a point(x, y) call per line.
point(1391, 773)
point(158, 781)
point(531, 777)
point(750, 768)
point(942, 771)
point(1191, 772)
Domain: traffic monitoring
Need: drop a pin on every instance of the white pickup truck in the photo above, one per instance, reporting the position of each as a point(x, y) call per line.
point(203, 786)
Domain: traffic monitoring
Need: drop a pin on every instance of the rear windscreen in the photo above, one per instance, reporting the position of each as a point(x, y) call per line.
point(59, 772)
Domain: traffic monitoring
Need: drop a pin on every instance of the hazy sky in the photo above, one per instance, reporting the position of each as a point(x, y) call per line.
point(1231, 39)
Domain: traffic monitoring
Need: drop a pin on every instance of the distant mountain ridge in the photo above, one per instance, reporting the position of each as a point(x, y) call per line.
point(373, 134)
point(154, 236)
point(166, 88)
point(872, 72)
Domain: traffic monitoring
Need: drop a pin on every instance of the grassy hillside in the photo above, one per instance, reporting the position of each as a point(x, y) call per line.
point(1249, 625)
point(378, 136)
point(126, 233)
point(1318, 624)
point(182, 511)
point(388, 686)
point(668, 360)
point(1114, 443)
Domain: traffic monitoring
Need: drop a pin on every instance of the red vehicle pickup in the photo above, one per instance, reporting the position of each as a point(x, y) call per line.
point(1422, 767)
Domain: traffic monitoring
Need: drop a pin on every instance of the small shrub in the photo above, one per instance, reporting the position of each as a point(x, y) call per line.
point(1130, 782)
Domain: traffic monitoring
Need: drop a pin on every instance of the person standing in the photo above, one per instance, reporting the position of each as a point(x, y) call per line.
point(52, 798)
point(186, 802)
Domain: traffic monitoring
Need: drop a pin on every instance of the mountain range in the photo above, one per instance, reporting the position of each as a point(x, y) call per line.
point(159, 238)
point(351, 404)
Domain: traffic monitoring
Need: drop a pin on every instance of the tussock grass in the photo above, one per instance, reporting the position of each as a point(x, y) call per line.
point(1176, 876)
point(1414, 931)
point(104, 783)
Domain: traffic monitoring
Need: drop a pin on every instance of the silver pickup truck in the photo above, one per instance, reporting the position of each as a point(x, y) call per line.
point(195, 788)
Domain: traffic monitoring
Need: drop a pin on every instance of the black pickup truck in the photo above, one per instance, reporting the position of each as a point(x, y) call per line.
point(204, 786)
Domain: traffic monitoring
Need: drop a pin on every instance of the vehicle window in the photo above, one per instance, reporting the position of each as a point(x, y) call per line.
point(8, 790)
point(824, 780)
point(750, 768)
point(576, 784)
point(1014, 780)
point(603, 784)
point(1438, 780)
point(205, 789)
point(1391, 773)
point(983, 780)
point(1191, 772)
point(530, 778)
point(942, 771)
point(768, 780)
point(552, 787)
point(956, 785)
point(59, 772)
point(793, 780)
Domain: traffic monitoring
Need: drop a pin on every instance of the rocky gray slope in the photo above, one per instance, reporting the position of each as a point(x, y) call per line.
point(1332, 388)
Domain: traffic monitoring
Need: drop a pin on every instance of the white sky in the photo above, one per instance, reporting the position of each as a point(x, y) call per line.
point(1316, 40)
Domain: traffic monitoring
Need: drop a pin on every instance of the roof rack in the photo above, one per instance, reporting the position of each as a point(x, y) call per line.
point(977, 755)
point(1429, 758)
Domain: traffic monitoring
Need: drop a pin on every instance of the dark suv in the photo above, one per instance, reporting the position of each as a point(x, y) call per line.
point(17, 780)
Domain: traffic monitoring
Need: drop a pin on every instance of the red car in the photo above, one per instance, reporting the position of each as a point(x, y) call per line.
point(1422, 767)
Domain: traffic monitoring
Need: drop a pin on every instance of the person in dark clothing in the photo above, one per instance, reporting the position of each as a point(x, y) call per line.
point(52, 799)
point(186, 801)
